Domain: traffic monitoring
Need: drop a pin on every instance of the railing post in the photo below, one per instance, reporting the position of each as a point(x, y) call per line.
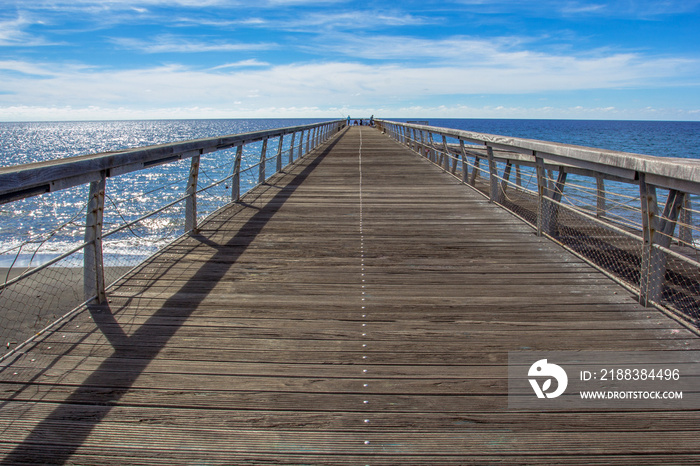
point(301, 144)
point(191, 200)
point(455, 159)
point(291, 148)
point(600, 196)
point(542, 189)
point(657, 232)
point(493, 180)
point(308, 139)
point(446, 153)
point(465, 162)
point(263, 160)
point(650, 223)
point(475, 172)
point(556, 194)
point(236, 180)
point(93, 267)
point(279, 153)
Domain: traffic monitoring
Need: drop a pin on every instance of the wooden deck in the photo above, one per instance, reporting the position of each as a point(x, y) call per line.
point(357, 309)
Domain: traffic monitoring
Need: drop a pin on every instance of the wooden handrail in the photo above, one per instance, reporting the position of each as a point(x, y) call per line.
point(22, 181)
point(668, 172)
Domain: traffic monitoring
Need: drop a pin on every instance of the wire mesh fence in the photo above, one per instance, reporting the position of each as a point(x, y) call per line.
point(602, 217)
point(46, 270)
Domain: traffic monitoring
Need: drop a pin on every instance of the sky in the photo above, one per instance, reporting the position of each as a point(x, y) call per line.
point(182, 59)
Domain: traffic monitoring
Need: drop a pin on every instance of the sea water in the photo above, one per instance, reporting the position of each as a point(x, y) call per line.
point(37, 218)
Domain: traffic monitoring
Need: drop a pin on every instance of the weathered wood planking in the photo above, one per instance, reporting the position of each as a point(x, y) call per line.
point(258, 341)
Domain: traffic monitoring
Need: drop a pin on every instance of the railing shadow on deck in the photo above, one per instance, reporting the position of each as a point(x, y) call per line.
point(104, 376)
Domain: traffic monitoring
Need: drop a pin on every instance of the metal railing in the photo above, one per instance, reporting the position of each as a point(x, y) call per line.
point(153, 197)
point(602, 205)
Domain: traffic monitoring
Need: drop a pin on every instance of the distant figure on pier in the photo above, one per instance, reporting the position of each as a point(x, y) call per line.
point(348, 120)
point(355, 122)
point(371, 120)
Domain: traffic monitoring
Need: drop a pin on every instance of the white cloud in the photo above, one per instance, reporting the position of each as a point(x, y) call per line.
point(241, 64)
point(459, 48)
point(13, 33)
point(124, 4)
point(501, 64)
point(136, 5)
point(351, 20)
point(23, 67)
point(320, 84)
point(635, 9)
point(169, 43)
point(573, 8)
point(301, 2)
point(639, 9)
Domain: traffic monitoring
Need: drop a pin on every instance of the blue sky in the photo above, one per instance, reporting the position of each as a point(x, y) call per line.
point(133, 59)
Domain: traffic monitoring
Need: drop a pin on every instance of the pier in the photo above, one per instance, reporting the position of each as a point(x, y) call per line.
point(359, 306)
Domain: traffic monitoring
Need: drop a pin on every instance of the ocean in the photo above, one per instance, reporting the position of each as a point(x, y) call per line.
point(29, 235)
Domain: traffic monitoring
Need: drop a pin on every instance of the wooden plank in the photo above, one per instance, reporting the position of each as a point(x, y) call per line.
point(665, 421)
